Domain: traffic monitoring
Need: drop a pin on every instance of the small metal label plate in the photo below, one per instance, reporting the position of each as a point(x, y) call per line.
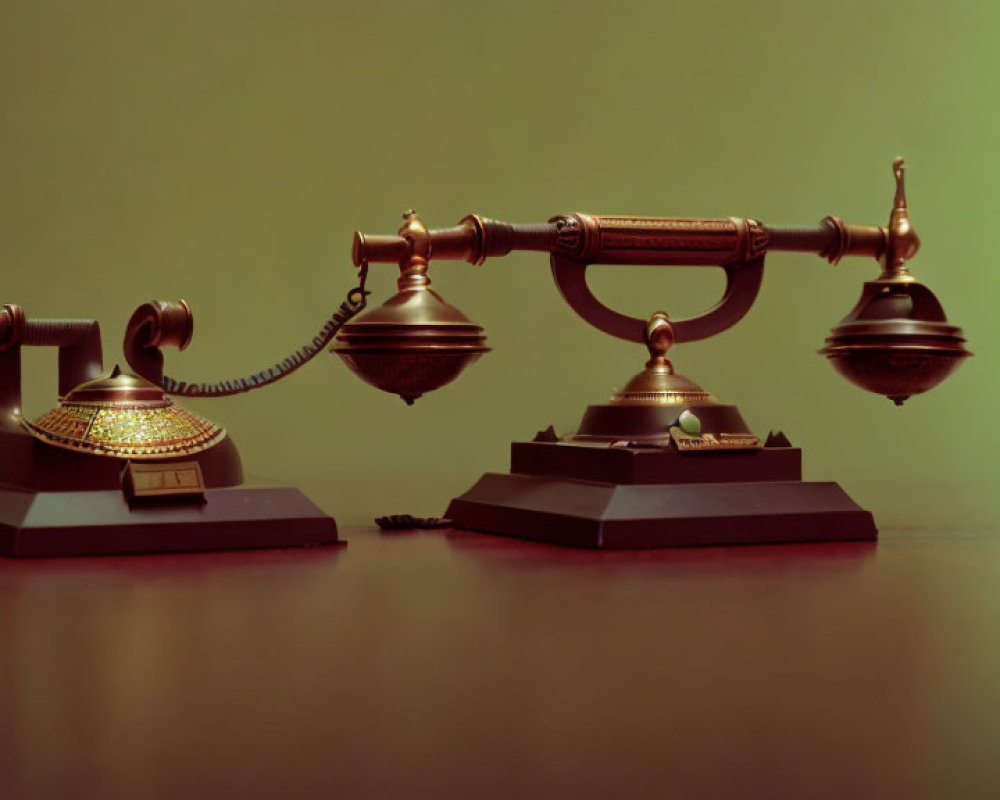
point(151, 483)
point(686, 443)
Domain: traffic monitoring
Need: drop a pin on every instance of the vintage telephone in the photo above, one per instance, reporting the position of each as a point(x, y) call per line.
point(118, 467)
point(663, 463)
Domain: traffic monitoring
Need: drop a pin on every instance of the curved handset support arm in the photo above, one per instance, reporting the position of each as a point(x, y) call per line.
point(743, 281)
point(732, 244)
point(78, 340)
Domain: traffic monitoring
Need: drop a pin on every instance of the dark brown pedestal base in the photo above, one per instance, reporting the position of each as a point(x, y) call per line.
point(101, 522)
point(658, 499)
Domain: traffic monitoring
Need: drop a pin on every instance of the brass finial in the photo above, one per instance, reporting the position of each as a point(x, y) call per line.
point(897, 169)
point(902, 240)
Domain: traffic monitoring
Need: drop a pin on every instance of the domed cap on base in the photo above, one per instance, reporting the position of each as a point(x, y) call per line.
point(658, 384)
point(124, 416)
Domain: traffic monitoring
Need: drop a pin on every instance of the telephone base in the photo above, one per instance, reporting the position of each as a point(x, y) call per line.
point(42, 524)
point(597, 497)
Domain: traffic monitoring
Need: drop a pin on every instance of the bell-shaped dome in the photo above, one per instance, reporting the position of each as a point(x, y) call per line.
point(414, 343)
point(124, 416)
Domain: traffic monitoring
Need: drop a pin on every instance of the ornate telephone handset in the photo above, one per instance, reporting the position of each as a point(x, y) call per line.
point(896, 341)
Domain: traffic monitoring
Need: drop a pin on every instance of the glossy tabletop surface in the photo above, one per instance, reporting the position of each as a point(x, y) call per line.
point(452, 664)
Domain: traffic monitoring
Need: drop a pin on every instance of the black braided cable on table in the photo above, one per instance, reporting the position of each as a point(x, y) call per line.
point(407, 522)
point(353, 305)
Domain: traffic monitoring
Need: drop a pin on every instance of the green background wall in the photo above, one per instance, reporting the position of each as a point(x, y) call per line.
point(225, 153)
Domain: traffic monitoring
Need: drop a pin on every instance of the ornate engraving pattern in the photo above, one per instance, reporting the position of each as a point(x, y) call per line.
point(757, 240)
point(126, 431)
point(687, 443)
point(715, 238)
point(568, 234)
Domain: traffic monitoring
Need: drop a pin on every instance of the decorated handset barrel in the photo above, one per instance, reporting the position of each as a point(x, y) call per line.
point(896, 341)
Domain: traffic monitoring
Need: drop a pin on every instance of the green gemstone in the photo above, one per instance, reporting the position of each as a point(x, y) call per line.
point(689, 423)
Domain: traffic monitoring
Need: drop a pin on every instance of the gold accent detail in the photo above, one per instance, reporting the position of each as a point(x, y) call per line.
point(124, 416)
point(687, 443)
point(664, 398)
point(126, 432)
point(725, 226)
